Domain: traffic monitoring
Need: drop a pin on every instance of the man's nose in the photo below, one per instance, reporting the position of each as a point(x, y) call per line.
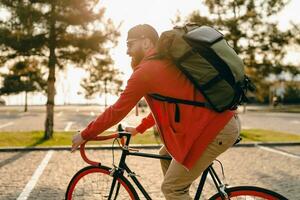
point(128, 52)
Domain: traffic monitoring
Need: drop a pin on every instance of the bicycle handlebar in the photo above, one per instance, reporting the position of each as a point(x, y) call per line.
point(121, 134)
point(101, 138)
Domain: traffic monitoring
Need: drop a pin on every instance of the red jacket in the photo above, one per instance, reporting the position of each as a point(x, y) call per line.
point(185, 140)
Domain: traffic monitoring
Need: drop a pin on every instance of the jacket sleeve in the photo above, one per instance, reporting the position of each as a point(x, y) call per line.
point(136, 88)
point(146, 123)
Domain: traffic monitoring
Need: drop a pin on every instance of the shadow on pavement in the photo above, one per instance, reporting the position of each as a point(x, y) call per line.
point(21, 154)
point(37, 193)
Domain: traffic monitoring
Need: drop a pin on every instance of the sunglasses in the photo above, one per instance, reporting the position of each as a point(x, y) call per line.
point(131, 42)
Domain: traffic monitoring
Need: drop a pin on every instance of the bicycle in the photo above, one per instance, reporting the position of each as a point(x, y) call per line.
point(114, 185)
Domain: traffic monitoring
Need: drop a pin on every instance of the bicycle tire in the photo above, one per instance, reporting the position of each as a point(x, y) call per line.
point(86, 184)
point(246, 192)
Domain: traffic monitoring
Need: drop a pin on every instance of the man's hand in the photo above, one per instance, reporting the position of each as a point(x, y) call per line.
point(77, 141)
point(132, 130)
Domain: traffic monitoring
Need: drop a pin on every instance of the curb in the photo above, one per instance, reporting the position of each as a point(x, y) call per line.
point(267, 144)
point(139, 146)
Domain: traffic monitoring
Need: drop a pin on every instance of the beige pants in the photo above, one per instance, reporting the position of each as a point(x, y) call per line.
point(177, 179)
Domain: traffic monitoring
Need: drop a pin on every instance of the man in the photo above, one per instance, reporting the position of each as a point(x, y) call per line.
point(193, 142)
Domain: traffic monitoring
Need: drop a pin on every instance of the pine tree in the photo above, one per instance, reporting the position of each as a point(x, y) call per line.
point(23, 76)
point(57, 33)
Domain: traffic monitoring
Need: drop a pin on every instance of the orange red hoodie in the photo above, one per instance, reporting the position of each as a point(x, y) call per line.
point(185, 140)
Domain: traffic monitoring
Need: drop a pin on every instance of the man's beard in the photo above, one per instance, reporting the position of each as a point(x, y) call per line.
point(136, 59)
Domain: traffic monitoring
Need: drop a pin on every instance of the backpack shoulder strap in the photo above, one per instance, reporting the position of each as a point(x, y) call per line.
point(179, 101)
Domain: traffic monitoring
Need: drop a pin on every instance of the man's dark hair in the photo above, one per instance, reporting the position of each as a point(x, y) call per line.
point(142, 31)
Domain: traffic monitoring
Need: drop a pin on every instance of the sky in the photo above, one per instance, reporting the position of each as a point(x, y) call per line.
point(157, 13)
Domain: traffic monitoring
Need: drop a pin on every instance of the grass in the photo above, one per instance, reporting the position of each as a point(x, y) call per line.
point(35, 138)
point(259, 135)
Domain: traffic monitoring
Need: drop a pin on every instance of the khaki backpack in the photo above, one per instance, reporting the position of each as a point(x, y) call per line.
point(204, 56)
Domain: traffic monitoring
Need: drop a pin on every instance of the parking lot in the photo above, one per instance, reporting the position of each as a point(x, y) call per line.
point(45, 174)
point(66, 118)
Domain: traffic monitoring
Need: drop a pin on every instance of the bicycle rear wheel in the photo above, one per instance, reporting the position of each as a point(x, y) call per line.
point(250, 192)
point(94, 182)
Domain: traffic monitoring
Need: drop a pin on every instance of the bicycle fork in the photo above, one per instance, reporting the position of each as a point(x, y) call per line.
point(114, 173)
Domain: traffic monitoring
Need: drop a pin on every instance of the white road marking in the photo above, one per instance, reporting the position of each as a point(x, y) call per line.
point(246, 127)
point(92, 113)
point(7, 124)
point(295, 122)
point(279, 152)
point(59, 114)
point(35, 177)
point(68, 126)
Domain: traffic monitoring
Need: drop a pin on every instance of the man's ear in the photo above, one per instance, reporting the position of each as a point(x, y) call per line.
point(147, 44)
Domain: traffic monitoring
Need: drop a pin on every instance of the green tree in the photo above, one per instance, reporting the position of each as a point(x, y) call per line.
point(57, 33)
point(248, 29)
point(292, 93)
point(103, 79)
point(24, 76)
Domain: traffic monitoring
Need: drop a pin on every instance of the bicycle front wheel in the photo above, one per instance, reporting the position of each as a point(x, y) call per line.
point(249, 192)
point(94, 182)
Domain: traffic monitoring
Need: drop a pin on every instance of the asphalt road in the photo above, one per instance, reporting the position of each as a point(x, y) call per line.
point(73, 118)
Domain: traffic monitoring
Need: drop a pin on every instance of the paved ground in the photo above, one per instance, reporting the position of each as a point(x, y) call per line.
point(276, 169)
point(66, 118)
point(285, 122)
